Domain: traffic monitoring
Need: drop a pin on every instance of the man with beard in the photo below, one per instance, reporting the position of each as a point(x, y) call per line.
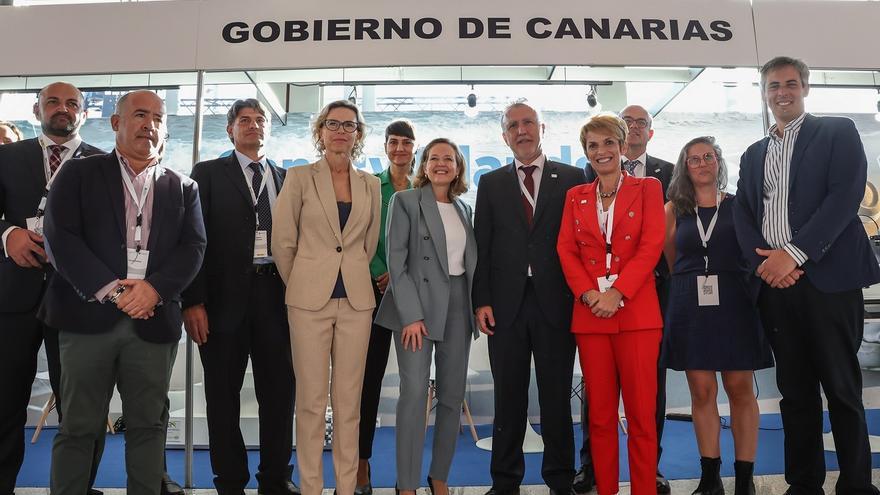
point(27, 171)
point(523, 302)
point(234, 309)
point(126, 237)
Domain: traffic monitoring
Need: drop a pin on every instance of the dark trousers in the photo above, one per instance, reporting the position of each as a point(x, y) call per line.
point(263, 336)
point(510, 353)
point(377, 360)
point(586, 460)
point(20, 337)
point(815, 337)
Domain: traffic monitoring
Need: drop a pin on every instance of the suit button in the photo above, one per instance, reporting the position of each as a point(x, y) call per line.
point(627, 237)
point(338, 249)
point(425, 280)
point(632, 214)
point(616, 259)
point(592, 262)
point(427, 258)
point(427, 237)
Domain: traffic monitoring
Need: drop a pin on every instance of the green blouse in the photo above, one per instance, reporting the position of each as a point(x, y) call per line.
point(378, 265)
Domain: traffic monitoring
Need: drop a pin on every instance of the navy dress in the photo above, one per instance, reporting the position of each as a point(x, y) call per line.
point(715, 338)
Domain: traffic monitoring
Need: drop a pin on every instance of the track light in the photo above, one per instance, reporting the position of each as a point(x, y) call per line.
point(592, 101)
point(471, 110)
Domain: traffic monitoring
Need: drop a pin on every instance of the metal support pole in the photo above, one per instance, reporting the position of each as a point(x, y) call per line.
point(188, 419)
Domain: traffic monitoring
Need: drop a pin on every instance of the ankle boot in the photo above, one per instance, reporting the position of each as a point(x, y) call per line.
point(745, 483)
point(710, 480)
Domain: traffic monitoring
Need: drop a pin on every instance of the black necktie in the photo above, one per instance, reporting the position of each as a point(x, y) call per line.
point(264, 211)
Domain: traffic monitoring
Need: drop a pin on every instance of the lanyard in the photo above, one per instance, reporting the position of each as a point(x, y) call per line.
point(705, 235)
point(256, 197)
point(606, 224)
point(140, 203)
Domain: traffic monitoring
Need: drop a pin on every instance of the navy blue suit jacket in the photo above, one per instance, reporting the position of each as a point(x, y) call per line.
point(826, 184)
point(85, 231)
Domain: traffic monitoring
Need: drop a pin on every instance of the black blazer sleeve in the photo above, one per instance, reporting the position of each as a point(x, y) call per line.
point(196, 292)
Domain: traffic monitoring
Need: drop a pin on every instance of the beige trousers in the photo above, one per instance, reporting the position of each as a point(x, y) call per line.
point(332, 339)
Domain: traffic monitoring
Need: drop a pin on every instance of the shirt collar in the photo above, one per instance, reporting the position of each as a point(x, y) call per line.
point(71, 145)
point(245, 162)
point(128, 168)
point(792, 126)
point(642, 159)
point(539, 162)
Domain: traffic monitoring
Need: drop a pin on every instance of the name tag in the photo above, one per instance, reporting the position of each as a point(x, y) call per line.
point(137, 264)
point(261, 244)
point(606, 283)
point(35, 224)
point(707, 290)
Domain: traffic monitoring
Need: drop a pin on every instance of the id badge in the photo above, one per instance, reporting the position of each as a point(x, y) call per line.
point(137, 264)
point(707, 290)
point(606, 283)
point(35, 224)
point(261, 244)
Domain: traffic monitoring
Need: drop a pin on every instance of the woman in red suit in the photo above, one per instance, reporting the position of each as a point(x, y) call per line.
point(610, 238)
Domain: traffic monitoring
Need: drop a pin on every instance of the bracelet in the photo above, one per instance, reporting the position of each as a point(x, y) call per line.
point(115, 295)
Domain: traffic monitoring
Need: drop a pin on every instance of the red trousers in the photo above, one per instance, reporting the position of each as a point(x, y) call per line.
point(613, 364)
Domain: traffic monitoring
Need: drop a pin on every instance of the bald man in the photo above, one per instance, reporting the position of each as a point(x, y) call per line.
point(27, 170)
point(116, 295)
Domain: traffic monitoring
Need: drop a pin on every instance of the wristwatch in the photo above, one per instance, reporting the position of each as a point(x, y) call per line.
point(114, 296)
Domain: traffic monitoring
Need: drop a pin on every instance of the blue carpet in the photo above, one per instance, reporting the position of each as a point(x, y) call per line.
point(680, 458)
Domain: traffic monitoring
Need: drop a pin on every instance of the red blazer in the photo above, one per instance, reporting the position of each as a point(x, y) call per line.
point(637, 239)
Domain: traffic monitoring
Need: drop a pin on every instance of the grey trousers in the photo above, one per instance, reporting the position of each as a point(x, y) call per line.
point(90, 366)
point(451, 359)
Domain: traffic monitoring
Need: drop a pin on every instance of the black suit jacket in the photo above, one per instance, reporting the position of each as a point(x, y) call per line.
point(507, 245)
point(22, 182)
point(85, 235)
point(223, 283)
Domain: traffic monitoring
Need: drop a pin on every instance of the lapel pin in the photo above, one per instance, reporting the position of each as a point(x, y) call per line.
point(553, 176)
point(583, 201)
point(656, 170)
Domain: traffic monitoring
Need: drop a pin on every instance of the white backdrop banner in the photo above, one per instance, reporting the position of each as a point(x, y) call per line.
point(273, 34)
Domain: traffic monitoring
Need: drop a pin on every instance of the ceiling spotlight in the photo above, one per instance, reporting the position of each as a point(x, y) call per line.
point(877, 115)
point(592, 101)
point(352, 96)
point(470, 110)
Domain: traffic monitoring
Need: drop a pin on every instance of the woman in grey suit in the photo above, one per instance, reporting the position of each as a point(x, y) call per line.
point(432, 254)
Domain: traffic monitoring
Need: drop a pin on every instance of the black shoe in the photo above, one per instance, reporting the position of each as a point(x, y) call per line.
point(92, 491)
point(288, 487)
point(584, 480)
point(167, 487)
point(495, 491)
point(368, 488)
point(710, 480)
point(431, 485)
point(570, 491)
point(663, 487)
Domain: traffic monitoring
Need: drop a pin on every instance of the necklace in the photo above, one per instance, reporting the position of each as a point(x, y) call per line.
point(608, 194)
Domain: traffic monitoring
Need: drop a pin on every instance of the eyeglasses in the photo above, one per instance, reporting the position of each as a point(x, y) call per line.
point(638, 123)
point(347, 126)
point(696, 160)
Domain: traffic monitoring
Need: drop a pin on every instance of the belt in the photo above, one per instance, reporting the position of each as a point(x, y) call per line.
point(265, 269)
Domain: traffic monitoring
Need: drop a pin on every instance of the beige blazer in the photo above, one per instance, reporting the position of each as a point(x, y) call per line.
point(308, 247)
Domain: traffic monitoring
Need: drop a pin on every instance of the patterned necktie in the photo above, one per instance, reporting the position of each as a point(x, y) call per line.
point(529, 182)
point(264, 212)
point(630, 166)
point(55, 152)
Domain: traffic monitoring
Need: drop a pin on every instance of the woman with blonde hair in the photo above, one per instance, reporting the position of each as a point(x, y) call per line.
point(325, 230)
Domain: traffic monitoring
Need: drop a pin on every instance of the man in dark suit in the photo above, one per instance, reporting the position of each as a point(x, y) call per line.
point(235, 308)
point(126, 237)
point(638, 163)
point(523, 302)
point(27, 169)
point(796, 216)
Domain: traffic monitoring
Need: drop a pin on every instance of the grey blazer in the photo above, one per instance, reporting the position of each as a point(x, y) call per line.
point(415, 240)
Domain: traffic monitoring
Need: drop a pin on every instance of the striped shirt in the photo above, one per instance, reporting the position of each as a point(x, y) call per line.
point(777, 164)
